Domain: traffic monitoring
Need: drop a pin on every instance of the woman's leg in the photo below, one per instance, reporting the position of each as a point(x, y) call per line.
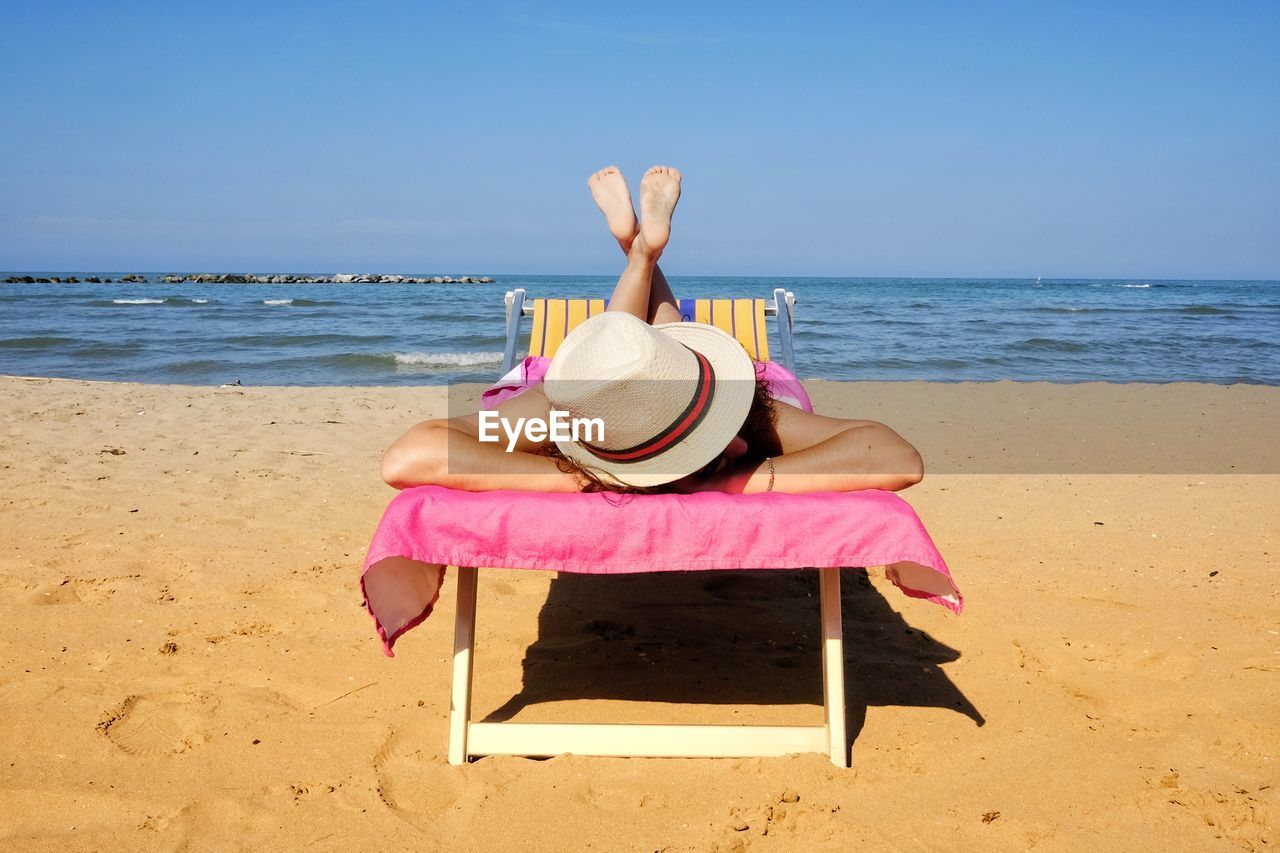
point(631, 293)
point(659, 193)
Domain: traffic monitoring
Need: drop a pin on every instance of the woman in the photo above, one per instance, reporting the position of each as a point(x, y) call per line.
point(679, 402)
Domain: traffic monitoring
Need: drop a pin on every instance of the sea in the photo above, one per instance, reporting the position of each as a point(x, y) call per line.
point(935, 329)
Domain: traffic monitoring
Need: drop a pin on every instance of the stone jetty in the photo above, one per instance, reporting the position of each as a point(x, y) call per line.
point(248, 278)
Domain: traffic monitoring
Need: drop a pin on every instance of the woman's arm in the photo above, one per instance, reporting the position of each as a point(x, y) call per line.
point(822, 454)
point(448, 452)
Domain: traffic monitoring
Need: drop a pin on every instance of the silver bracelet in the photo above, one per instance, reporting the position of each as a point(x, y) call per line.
point(769, 461)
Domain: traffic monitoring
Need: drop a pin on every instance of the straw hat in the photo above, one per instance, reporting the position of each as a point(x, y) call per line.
point(671, 396)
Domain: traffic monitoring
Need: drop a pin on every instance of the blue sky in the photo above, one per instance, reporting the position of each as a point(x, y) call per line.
point(920, 139)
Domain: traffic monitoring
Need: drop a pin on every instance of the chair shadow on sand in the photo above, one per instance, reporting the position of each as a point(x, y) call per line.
point(726, 638)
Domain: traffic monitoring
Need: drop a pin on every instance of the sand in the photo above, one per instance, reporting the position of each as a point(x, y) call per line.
point(185, 662)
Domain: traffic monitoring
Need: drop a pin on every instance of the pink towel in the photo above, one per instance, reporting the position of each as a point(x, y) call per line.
point(780, 382)
point(611, 534)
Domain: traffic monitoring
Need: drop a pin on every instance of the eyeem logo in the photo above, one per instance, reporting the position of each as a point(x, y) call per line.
point(559, 427)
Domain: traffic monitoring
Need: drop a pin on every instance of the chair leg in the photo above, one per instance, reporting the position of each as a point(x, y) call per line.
point(464, 632)
point(464, 635)
point(833, 665)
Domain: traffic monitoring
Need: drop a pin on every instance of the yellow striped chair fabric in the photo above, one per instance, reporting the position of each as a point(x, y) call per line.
point(742, 318)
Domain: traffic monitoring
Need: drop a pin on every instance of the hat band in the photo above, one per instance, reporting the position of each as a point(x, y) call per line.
point(679, 429)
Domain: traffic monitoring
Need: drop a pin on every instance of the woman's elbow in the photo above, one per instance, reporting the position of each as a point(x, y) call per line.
point(418, 457)
point(395, 467)
point(893, 460)
point(911, 468)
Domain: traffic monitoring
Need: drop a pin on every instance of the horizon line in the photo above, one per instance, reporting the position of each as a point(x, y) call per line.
point(259, 271)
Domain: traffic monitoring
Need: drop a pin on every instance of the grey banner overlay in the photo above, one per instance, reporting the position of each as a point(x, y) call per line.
point(1046, 428)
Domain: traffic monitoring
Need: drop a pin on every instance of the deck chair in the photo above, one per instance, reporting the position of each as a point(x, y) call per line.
point(553, 319)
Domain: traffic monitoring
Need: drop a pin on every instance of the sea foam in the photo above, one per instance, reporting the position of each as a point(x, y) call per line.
point(298, 303)
point(446, 359)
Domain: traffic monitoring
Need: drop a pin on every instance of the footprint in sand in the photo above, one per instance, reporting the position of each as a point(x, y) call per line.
point(404, 785)
point(165, 724)
point(72, 590)
point(172, 723)
point(417, 785)
point(60, 592)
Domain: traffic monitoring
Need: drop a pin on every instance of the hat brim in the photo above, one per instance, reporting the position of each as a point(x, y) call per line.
point(734, 392)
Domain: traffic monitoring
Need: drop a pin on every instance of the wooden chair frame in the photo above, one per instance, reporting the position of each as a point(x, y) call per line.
point(468, 738)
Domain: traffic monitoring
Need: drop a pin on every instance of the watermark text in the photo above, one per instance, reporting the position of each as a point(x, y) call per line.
point(558, 426)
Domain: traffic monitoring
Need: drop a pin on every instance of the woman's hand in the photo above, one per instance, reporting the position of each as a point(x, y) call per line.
point(734, 478)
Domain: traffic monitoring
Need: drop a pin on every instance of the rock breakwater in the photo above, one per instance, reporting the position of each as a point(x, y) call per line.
point(249, 278)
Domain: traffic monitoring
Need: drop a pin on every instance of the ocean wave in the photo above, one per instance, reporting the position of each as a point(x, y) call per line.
point(444, 359)
point(304, 340)
point(1216, 341)
point(380, 362)
point(108, 349)
point(152, 300)
point(200, 367)
point(463, 316)
point(937, 363)
point(298, 303)
point(1049, 345)
point(1201, 310)
point(1133, 285)
point(35, 342)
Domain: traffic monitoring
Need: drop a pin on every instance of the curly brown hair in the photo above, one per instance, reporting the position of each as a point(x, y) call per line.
point(757, 430)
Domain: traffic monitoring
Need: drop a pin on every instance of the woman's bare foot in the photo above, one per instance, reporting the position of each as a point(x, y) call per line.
point(609, 189)
point(659, 192)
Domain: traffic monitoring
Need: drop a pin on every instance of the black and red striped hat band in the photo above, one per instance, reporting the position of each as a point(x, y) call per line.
point(678, 430)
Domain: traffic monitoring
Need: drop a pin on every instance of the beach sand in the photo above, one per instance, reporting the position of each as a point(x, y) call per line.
point(185, 661)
